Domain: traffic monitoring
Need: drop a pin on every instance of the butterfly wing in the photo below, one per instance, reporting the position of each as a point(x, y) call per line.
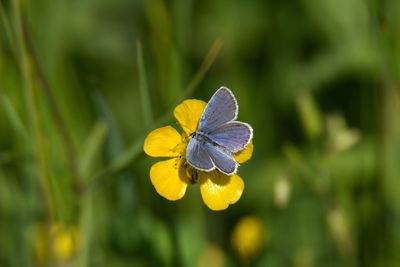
point(234, 136)
point(223, 160)
point(205, 156)
point(197, 155)
point(221, 108)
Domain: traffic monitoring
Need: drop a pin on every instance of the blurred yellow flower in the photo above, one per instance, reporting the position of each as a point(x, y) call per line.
point(171, 177)
point(65, 240)
point(212, 256)
point(57, 243)
point(248, 237)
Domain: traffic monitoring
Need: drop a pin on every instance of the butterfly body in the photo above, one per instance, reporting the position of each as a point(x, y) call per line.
point(219, 135)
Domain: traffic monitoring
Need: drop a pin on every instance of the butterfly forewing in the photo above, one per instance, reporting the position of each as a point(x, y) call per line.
point(221, 108)
point(233, 136)
point(197, 155)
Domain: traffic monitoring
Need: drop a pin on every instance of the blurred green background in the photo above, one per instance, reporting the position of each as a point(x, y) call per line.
point(83, 82)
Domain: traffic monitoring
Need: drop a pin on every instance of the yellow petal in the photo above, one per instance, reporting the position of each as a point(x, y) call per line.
point(163, 142)
point(218, 190)
point(245, 154)
point(169, 179)
point(188, 114)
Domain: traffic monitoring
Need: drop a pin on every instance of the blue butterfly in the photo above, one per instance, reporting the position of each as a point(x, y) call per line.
point(218, 135)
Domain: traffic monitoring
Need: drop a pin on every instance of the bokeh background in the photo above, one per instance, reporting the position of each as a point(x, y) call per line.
point(83, 82)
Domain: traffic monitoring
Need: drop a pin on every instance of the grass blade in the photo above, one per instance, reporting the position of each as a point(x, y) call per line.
point(144, 90)
point(92, 147)
point(14, 119)
point(204, 67)
point(8, 29)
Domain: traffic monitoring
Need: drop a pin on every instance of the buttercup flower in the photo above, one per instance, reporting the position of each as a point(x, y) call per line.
point(248, 237)
point(171, 177)
point(57, 243)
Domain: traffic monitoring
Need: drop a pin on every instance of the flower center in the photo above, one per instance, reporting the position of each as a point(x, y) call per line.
point(191, 173)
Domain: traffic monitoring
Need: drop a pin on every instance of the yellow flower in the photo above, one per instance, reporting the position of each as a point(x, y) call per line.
point(65, 239)
point(248, 237)
point(212, 256)
point(171, 177)
point(57, 243)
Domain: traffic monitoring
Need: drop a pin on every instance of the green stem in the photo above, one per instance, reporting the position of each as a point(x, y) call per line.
point(55, 112)
point(32, 103)
point(8, 29)
point(204, 67)
point(144, 90)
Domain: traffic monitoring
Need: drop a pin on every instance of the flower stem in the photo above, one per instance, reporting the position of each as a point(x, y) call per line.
point(204, 67)
point(32, 103)
point(144, 89)
point(55, 112)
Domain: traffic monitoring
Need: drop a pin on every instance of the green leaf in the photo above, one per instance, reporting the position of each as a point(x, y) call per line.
point(92, 147)
point(144, 90)
point(14, 119)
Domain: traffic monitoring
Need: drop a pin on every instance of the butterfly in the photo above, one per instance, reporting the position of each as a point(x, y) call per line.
point(219, 136)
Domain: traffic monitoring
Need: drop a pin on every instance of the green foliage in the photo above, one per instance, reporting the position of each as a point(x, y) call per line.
point(83, 82)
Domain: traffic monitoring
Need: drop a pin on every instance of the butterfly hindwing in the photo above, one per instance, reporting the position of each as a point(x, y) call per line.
point(221, 108)
point(223, 160)
point(206, 157)
point(197, 155)
point(233, 136)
